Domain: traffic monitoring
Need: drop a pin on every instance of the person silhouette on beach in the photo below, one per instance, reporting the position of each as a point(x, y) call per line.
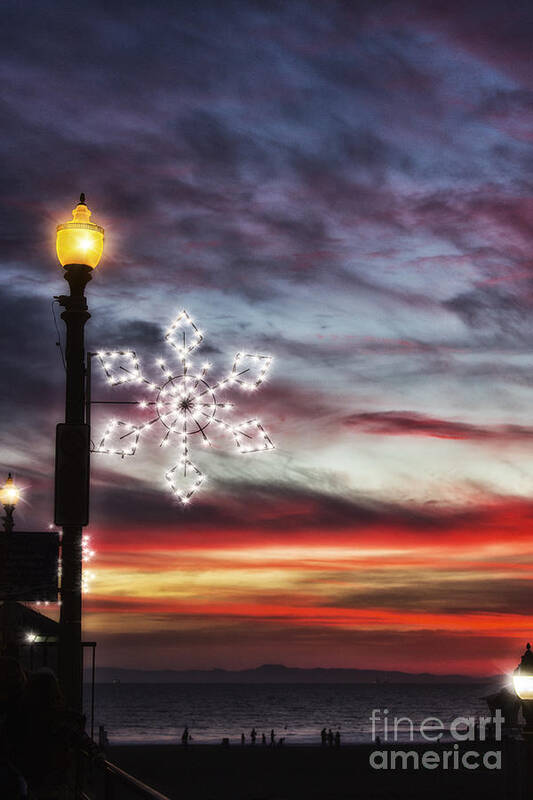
point(338, 739)
point(324, 737)
point(263, 739)
point(103, 739)
point(185, 737)
point(243, 738)
point(272, 738)
point(253, 736)
point(330, 737)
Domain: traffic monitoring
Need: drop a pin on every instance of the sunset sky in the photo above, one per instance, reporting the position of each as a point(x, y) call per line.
point(347, 186)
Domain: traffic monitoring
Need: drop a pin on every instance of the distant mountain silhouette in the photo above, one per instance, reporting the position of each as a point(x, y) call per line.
point(274, 673)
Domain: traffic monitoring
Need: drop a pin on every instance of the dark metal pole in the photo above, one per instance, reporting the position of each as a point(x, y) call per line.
point(75, 316)
point(9, 644)
point(93, 670)
point(8, 521)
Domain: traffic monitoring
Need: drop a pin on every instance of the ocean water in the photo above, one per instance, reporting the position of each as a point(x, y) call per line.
point(157, 713)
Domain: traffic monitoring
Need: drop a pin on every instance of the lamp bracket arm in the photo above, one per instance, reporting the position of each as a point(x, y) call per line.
point(70, 303)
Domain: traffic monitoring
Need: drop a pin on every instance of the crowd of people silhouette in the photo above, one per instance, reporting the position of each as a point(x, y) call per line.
point(39, 735)
point(327, 737)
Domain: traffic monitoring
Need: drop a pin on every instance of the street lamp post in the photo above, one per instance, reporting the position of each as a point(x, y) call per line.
point(523, 686)
point(79, 249)
point(9, 497)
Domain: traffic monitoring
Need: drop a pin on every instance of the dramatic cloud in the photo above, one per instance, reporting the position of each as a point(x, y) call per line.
point(396, 423)
point(347, 186)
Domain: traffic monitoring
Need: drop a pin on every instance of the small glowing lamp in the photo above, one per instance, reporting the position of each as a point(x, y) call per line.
point(523, 686)
point(80, 241)
point(523, 676)
point(9, 493)
point(31, 637)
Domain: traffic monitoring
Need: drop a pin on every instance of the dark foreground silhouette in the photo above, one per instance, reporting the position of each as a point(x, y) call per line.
point(39, 736)
point(210, 772)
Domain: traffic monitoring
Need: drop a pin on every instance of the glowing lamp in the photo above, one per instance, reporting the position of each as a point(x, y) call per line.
point(523, 676)
point(80, 241)
point(523, 686)
point(9, 493)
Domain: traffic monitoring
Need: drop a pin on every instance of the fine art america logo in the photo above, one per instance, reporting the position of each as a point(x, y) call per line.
point(388, 731)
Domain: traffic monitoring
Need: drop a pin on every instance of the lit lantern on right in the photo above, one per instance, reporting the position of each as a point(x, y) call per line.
point(523, 676)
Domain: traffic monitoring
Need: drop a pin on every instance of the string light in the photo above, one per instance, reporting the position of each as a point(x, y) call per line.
point(185, 404)
point(87, 555)
point(127, 370)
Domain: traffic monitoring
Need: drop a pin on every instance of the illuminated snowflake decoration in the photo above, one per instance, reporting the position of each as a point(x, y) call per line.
point(185, 404)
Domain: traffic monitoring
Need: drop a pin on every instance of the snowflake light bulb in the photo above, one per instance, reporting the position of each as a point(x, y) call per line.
point(87, 554)
point(185, 404)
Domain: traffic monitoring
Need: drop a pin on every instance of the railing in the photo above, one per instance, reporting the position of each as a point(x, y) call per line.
point(109, 782)
point(113, 775)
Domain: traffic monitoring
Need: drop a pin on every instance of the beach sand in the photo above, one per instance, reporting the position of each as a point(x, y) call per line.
point(205, 772)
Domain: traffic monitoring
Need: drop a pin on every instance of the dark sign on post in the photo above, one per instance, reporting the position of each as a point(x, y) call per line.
point(29, 566)
point(72, 475)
